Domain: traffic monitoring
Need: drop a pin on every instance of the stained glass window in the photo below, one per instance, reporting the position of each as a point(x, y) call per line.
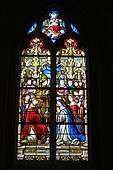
point(52, 117)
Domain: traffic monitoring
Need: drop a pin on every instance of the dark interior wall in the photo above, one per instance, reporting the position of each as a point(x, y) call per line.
point(90, 18)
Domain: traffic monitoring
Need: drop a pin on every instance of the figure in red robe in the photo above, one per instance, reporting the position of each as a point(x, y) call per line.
point(31, 117)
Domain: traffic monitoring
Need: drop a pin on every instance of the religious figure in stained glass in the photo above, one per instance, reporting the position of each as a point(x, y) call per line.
point(67, 133)
point(33, 112)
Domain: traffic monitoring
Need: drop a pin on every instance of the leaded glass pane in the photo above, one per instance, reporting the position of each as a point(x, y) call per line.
point(34, 145)
point(71, 72)
point(71, 107)
point(35, 71)
point(36, 47)
point(34, 102)
point(53, 27)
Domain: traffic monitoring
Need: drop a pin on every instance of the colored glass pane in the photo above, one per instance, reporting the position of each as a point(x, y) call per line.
point(71, 107)
point(34, 102)
point(36, 48)
point(73, 27)
point(71, 48)
point(32, 28)
point(35, 71)
point(53, 27)
point(33, 146)
point(72, 72)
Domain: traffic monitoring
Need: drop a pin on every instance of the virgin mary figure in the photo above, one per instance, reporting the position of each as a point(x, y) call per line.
point(66, 130)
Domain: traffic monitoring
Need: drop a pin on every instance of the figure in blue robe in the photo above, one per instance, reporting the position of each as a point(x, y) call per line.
point(66, 130)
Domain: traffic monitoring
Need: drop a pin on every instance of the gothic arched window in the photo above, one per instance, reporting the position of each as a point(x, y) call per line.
point(52, 116)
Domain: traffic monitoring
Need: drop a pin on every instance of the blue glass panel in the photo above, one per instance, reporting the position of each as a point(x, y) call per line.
point(32, 28)
point(74, 29)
